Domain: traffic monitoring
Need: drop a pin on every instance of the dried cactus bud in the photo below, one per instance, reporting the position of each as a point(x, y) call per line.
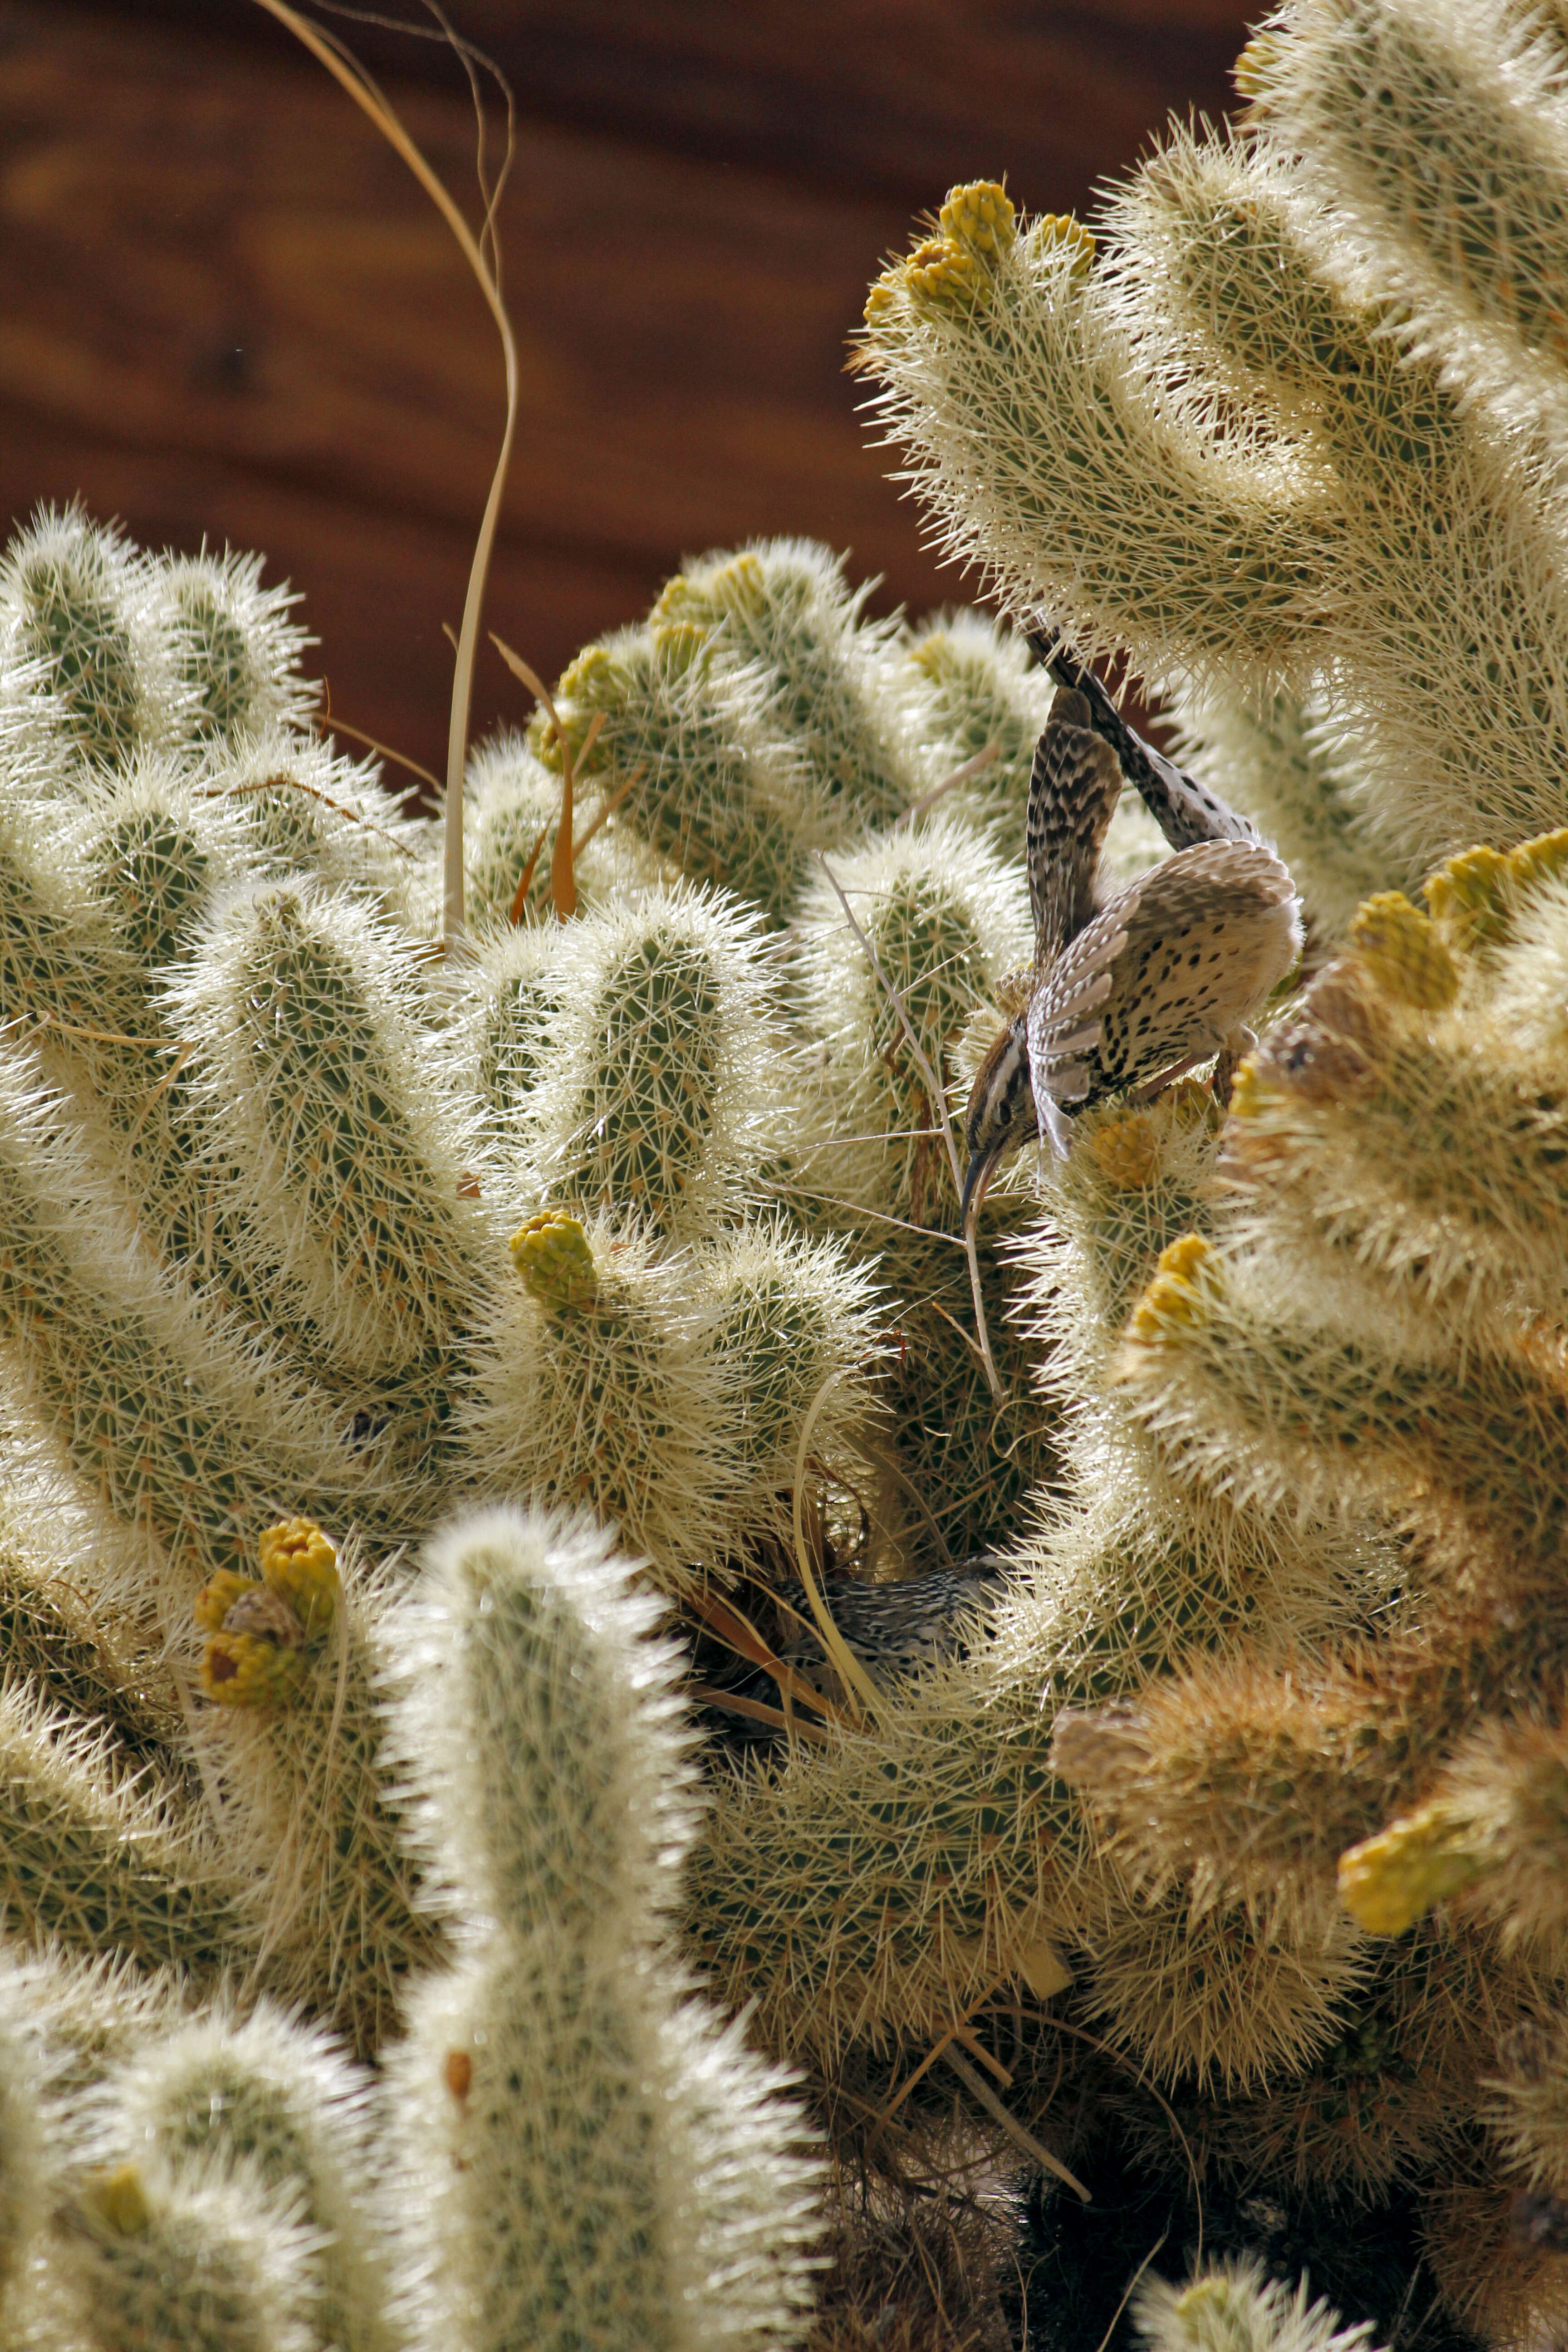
point(251, 1669)
point(118, 2199)
point(218, 1595)
point(300, 1565)
point(979, 217)
point(1401, 948)
point(1387, 1881)
point(1176, 1293)
point(552, 1253)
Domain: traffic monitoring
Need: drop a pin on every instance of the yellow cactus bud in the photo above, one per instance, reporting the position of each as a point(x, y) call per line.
point(218, 1595)
point(585, 677)
point(941, 274)
point(1255, 66)
point(552, 1253)
point(1175, 1292)
point(301, 1565)
point(884, 292)
point(1541, 860)
point(250, 1669)
point(681, 643)
point(740, 585)
point(1250, 1092)
point(1061, 228)
point(1125, 1151)
point(1387, 1881)
point(1401, 949)
point(119, 2199)
point(1473, 897)
point(979, 217)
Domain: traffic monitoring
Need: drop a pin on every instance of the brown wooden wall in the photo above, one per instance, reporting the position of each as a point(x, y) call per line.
point(226, 309)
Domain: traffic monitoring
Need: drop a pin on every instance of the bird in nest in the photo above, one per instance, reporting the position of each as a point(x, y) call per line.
point(1133, 989)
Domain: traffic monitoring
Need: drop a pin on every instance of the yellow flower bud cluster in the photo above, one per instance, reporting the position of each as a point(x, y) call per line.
point(1401, 949)
point(979, 217)
point(1175, 1292)
point(945, 272)
point(1125, 1150)
point(1061, 228)
point(552, 1253)
point(261, 1631)
point(1474, 897)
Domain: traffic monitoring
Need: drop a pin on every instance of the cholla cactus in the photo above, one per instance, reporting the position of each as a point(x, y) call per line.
point(312, 1236)
point(595, 2157)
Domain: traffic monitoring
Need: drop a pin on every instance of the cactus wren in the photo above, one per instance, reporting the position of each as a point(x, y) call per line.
point(1134, 990)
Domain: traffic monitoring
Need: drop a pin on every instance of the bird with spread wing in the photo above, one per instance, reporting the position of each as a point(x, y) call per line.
point(1128, 991)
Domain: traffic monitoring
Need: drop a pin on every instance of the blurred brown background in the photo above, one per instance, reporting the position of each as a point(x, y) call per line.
point(226, 308)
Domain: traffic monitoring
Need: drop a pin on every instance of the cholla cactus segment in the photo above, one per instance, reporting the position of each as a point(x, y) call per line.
point(1527, 2109)
point(1209, 1997)
point(322, 1085)
point(944, 919)
point(972, 686)
point(595, 2155)
point(596, 2160)
point(708, 781)
point(1237, 2308)
point(80, 643)
point(541, 1717)
point(28, 2164)
point(1233, 237)
point(1413, 1152)
point(100, 1864)
point(1296, 1401)
point(614, 1404)
point(173, 1418)
point(236, 651)
point(1442, 128)
point(798, 1332)
point(312, 811)
point(506, 1029)
point(784, 606)
point(189, 2259)
point(1052, 453)
point(277, 2104)
point(318, 1821)
point(1496, 2254)
point(660, 1089)
point(515, 801)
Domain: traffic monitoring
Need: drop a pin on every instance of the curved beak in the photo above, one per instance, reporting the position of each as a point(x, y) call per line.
point(981, 1169)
